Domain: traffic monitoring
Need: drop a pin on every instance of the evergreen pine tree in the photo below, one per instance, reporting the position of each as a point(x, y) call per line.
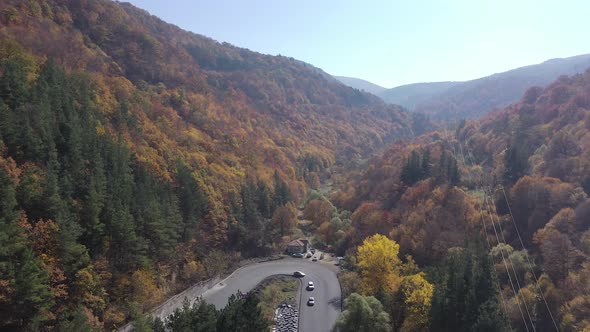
point(94, 202)
point(252, 315)
point(281, 191)
point(515, 162)
point(466, 296)
point(426, 163)
point(191, 199)
point(413, 171)
point(156, 214)
point(13, 81)
point(126, 248)
point(263, 199)
point(250, 228)
point(242, 314)
point(25, 296)
point(73, 254)
point(453, 172)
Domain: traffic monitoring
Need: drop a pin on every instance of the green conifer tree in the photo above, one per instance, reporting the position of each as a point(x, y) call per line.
point(25, 296)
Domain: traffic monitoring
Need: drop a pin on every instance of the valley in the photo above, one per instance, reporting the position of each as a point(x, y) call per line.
point(141, 163)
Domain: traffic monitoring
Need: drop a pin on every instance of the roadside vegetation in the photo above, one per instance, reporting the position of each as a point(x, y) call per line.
point(274, 291)
point(242, 313)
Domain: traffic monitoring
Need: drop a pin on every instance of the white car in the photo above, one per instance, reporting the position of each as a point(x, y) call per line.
point(310, 286)
point(311, 301)
point(298, 274)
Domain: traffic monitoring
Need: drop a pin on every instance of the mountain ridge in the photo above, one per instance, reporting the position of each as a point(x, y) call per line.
point(360, 84)
point(474, 98)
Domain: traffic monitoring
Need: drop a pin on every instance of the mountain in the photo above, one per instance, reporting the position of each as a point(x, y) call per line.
point(214, 96)
point(514, 183)
point(410, 95)
point(474, 98)
point(137, 158)
point(360, 84)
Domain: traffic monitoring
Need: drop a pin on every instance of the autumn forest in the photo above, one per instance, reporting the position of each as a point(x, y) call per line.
point(137, 159)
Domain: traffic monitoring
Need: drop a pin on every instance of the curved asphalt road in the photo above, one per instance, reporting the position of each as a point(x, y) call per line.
point(319, 318)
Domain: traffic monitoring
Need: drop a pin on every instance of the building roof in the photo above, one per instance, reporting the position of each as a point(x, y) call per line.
point(297, 243)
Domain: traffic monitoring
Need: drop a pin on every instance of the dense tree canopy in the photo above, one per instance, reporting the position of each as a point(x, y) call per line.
point(363, 314)
point(142, 158)
point(532, 158)
point(136, 159)
point(241, 314)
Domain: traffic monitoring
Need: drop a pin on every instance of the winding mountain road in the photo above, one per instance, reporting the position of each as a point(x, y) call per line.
point(319, 318)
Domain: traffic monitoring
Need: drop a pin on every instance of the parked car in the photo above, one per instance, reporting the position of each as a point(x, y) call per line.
point(310, 286)
point(311, 301)
point(308, 255)
point(298, 274)
point(314, 259)
point(312, 250)
point(298, 255)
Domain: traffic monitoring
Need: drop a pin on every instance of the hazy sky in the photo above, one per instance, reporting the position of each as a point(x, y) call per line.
point(392, 42)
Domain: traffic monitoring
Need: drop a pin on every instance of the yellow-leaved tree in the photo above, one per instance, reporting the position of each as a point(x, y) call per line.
point(379, 264)
point(417, 294)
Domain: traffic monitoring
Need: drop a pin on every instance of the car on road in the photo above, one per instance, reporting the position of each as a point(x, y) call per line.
point(314, 259)
point(298, 274)
point(311, 301)
point(308, 255)
point(310, 286)
point(298, 255)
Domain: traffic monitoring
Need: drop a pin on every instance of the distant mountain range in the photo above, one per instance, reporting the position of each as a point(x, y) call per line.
point(474, 98)
point(538, 149)
point(410, 95)
point(361, 84)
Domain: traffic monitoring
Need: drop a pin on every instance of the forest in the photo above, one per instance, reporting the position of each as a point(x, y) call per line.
point(137, 159)
point(494, 211)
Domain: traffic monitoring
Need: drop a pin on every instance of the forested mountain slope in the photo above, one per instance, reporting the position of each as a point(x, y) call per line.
point(434, 194)
point(412, 95)
point(474, 98)
point(209, 94)
point(361, 84)
point(137, 158)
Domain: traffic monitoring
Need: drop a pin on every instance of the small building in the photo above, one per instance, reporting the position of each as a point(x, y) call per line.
point(297, 246)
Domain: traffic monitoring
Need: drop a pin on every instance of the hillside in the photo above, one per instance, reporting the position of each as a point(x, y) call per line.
point(411, 95)
point(434, 194)
point(212, 90)
point(137, 158)
point(474, 98)
point(361, 84)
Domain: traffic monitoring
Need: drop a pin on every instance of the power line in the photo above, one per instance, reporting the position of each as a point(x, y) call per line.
point(530, 265)
point(506, 267)
point(513, 270)
point(497, 281)
point(528, 260)
point(501, 252)
point(499, 242)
